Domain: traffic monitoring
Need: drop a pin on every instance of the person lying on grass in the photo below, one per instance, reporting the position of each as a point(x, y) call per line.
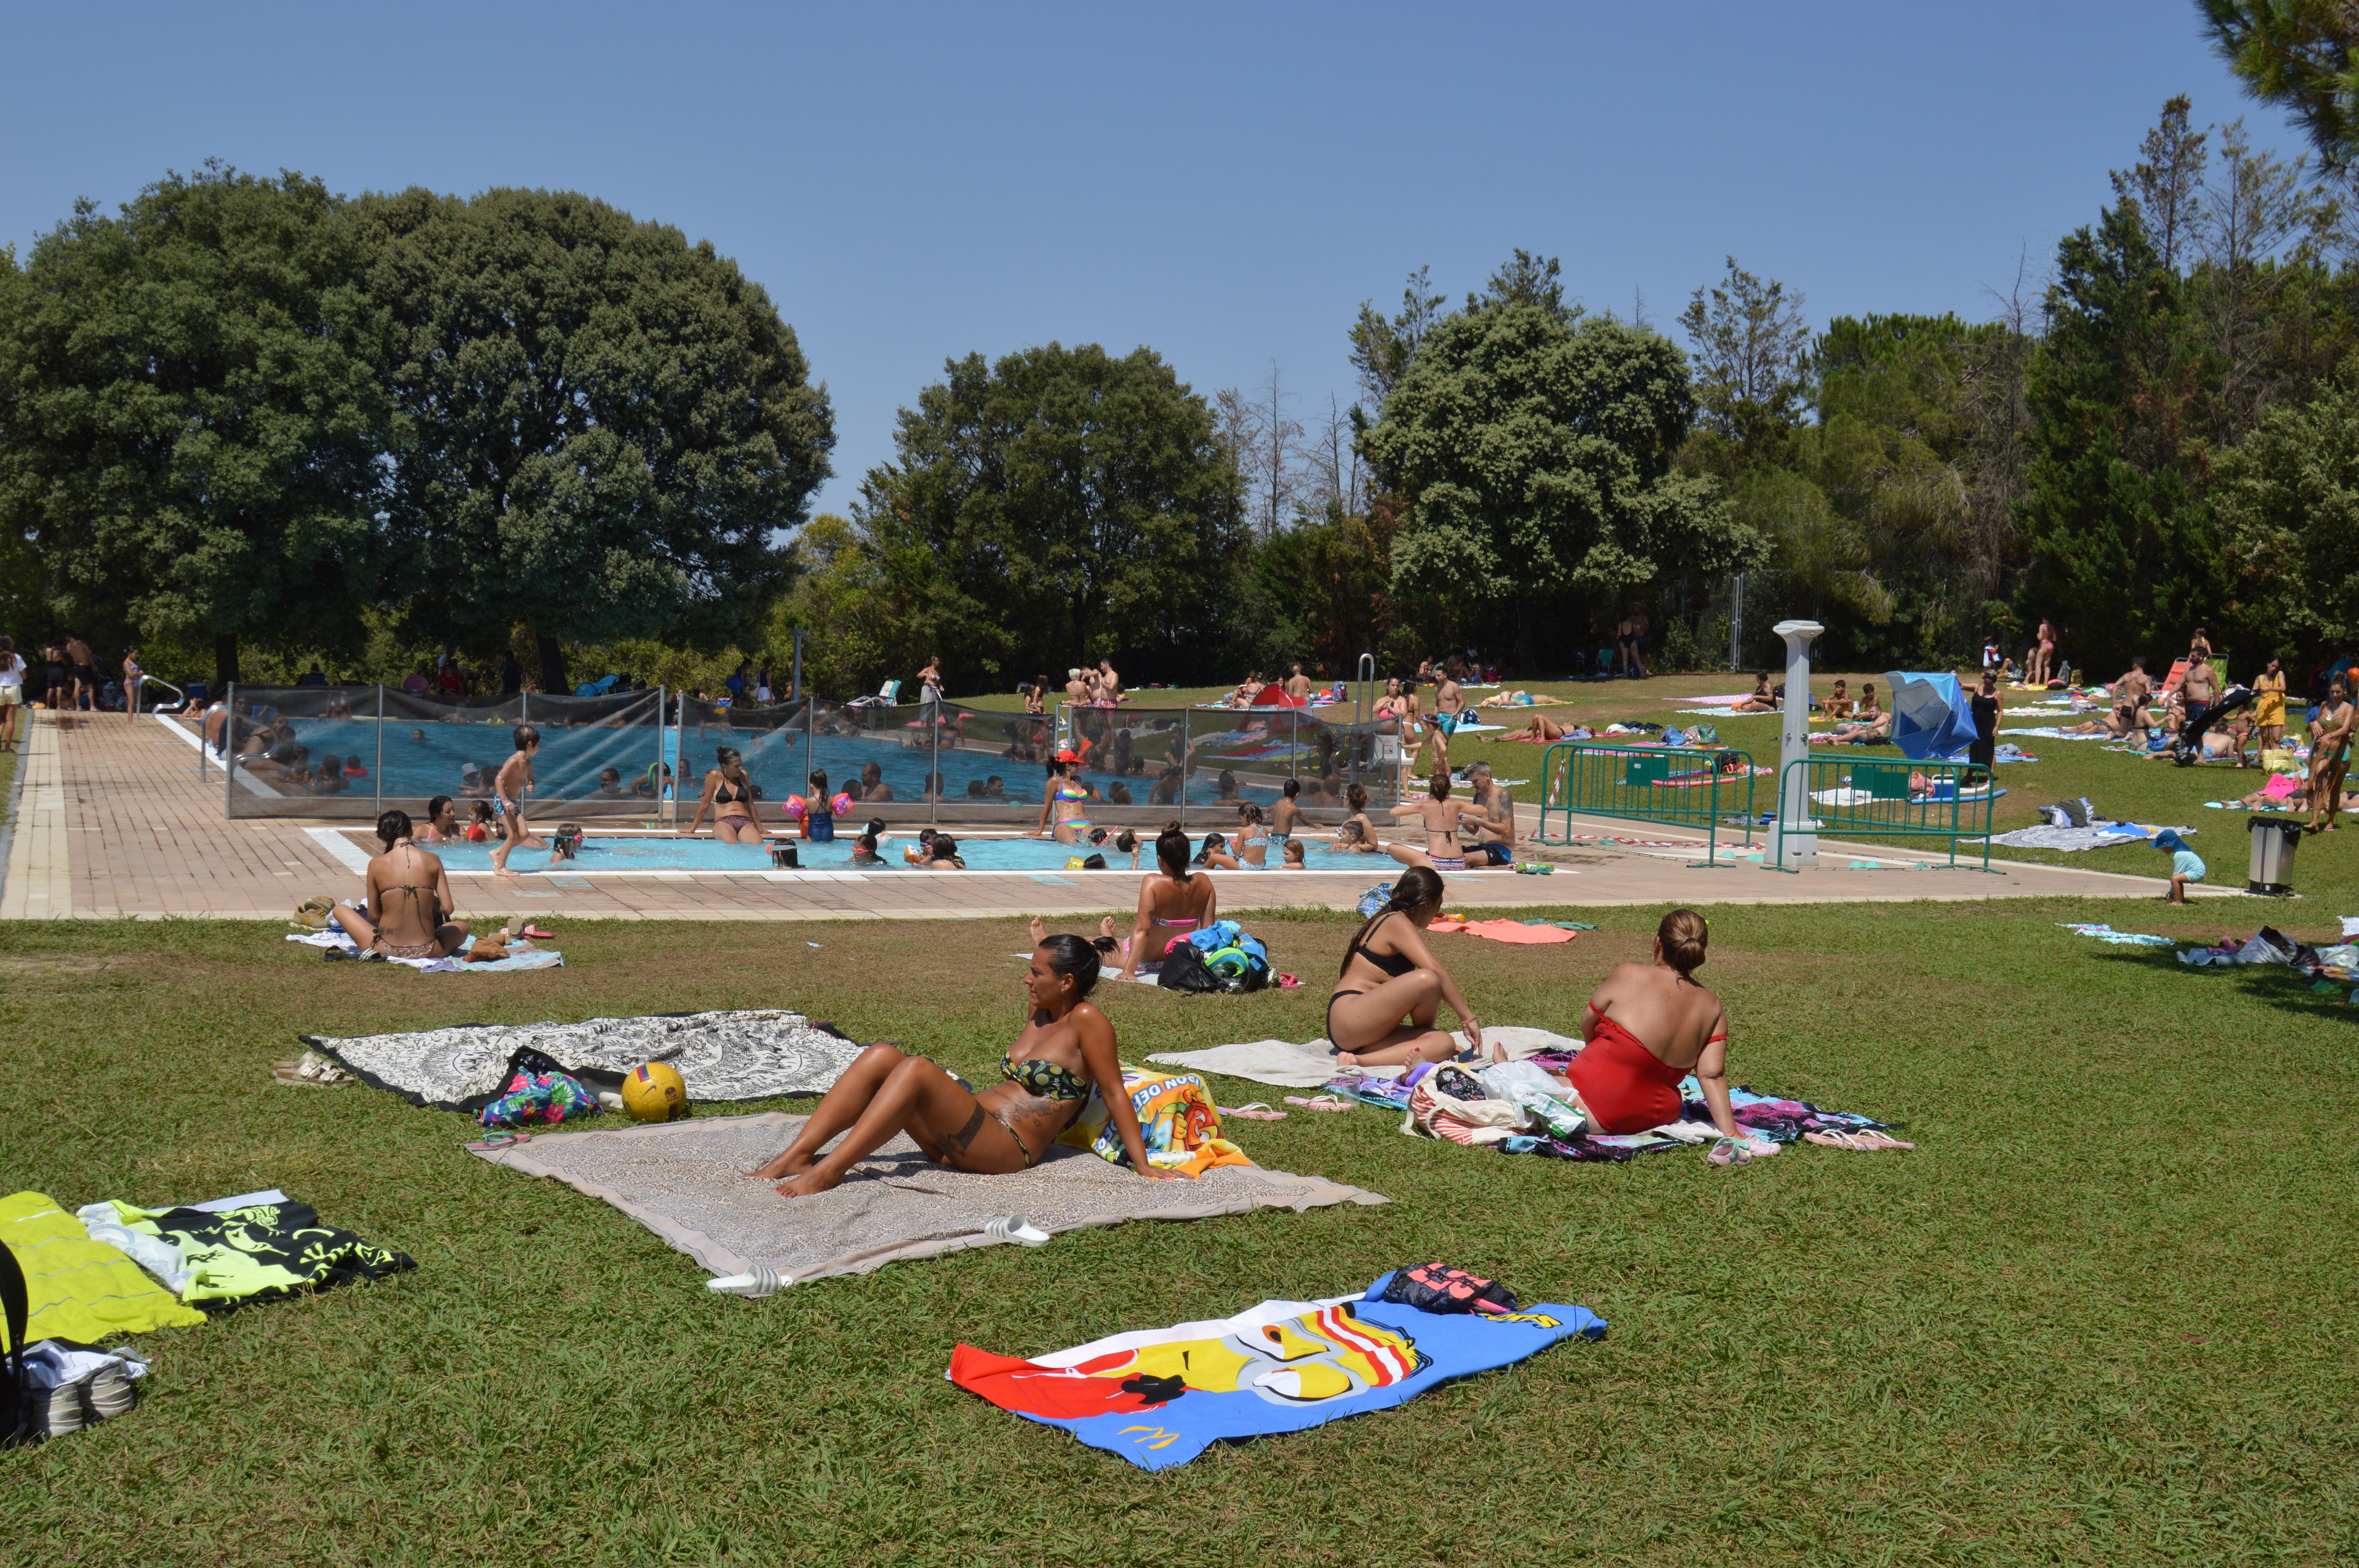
point(1066, 1046)
point(1648, 1027)
point(1390, 987)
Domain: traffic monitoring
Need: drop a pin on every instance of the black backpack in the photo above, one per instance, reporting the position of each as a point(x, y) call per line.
point(1183, 970)
point(24, 1409)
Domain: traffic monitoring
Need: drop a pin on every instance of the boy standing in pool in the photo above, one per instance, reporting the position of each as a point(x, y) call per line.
point(515, 781)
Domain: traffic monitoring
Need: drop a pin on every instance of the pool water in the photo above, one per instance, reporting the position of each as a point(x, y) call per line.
point(620, 853)
point(424, 759)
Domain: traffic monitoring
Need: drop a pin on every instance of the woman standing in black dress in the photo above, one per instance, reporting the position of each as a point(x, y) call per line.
point(1983, 753)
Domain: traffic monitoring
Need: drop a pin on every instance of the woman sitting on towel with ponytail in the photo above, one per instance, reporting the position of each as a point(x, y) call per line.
point(1066, 1047)
point(1172, 901)
point(409, 900)
point(1389, 975)
point(1648, 1026)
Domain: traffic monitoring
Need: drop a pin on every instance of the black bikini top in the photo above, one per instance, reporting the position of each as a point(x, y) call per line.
point(1393, 964)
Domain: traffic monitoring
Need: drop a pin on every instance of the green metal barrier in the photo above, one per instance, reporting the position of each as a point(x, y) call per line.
point(1891, 798)
point(1704, 787)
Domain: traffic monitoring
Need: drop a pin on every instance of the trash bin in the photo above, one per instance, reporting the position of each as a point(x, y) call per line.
point(2274, 840)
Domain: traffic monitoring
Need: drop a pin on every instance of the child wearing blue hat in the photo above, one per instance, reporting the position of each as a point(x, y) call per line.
point(2186, 865)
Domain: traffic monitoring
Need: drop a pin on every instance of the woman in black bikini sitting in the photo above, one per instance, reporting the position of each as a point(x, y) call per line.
point(729, 796)
point(408, 897)
point(1388, 974)
point(1066, 1046)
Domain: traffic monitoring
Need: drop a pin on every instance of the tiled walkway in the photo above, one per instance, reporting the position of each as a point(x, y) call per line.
point(112, 821)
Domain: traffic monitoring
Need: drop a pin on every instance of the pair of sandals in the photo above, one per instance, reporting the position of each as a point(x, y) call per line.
point(1864, 1142)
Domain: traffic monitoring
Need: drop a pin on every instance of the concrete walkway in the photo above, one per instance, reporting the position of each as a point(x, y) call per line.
point(112, 821)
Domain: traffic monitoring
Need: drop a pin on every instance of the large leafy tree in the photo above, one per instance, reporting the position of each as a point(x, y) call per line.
point(2123, 550)
point(601, 429)
point(1062, 504)
point(2288, 498)
point(1534, 458)
point(190, 415)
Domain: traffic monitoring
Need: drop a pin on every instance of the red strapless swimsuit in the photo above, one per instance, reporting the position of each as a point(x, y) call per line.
point(1626, 1087)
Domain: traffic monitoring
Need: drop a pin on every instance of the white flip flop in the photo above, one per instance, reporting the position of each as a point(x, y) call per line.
point(762, 1281)
point(1016, 1228)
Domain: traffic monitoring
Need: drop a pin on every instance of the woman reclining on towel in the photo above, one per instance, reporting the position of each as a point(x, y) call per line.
point(1648, 1027)
point(1066, 1047)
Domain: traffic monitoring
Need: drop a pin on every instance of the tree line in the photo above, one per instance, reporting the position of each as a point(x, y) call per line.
point(245, 417)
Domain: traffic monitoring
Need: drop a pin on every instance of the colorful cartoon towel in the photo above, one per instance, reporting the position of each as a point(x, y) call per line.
point(1160, 1396)
point(1178, 1121)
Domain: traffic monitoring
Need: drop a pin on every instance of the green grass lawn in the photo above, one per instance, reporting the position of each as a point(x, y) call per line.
point(2104, 1314)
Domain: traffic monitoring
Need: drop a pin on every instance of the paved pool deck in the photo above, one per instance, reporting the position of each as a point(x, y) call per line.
point(111, 821)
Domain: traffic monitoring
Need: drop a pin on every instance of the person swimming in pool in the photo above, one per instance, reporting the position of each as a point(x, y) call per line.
point(1285, 816)
point(409, 900)
point(1067, 1048)
point(1648, 1026)
point(1172, 901)
point(1390, 988)
point(441, 825)
point(942, 855)
point(729, 796)
point(1252, 849)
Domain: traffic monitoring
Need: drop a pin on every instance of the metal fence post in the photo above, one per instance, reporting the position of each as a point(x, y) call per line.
point(380, 748)
point(933, 759)
point(229, 755)
point(1187, 724)
point(655, 774)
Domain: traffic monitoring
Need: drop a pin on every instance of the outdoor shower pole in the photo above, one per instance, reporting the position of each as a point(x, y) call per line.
point(797, 678)
point(380, 748)
point(1798, 832)
point(1736, 621)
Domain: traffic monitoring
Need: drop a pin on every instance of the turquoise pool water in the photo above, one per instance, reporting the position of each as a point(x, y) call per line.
point(624, 853)
point(425, 759)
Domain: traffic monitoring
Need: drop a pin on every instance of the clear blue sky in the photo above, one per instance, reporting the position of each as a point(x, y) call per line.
point(1224, 184)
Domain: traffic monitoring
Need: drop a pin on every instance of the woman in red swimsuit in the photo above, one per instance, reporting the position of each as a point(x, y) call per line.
point(1648, 1026)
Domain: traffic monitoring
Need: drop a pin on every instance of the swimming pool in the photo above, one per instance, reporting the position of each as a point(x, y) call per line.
point(439, 756)
point(622, 854)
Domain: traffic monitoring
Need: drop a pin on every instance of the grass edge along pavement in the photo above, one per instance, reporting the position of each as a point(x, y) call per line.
point(2039, 1336)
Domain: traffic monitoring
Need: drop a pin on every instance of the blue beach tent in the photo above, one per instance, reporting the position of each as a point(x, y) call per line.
point(1930, 719)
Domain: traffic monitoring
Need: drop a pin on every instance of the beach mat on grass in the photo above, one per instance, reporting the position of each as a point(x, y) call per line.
point(1159, 1397)
point(685, 1181)
point(526, 958)
point(1309, 1063)
point(735, 1055)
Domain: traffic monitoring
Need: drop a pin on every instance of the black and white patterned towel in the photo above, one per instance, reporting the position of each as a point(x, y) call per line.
point(741, 1056)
